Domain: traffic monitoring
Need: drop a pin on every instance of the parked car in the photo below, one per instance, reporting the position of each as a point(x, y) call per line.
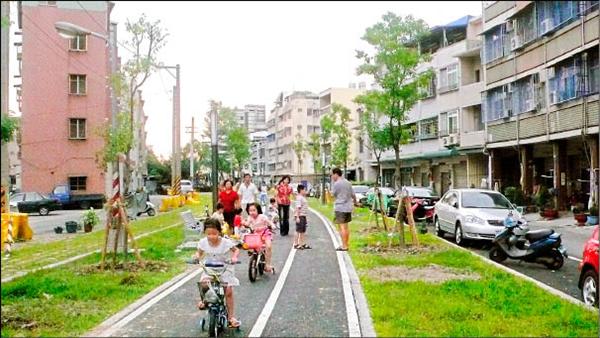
point(186, 186)
point(588, 278)
point(370, 195)
point(69, 198)
point(425, 197)
point(30, 202)
point(360, 191)
point(472, 214)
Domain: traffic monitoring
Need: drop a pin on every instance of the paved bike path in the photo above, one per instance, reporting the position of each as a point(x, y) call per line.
point(311, 302)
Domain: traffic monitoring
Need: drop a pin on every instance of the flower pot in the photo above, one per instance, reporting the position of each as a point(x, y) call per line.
point(71, 227)
point(88, 227)
point(550, 213)
point(58, 230)
point(592, 220)
point(580, 218)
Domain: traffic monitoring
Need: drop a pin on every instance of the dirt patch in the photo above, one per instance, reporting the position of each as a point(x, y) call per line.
point(431, 273)
point(383, 248)
point(132, 266)
point(369, 230)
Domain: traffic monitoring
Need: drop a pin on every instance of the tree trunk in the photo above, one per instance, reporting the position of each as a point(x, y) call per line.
point(377, 177)
point(397, 181)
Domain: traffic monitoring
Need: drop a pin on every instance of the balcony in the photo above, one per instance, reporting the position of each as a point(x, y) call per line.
point(470, 94)
point(471, 49)
point(472, 139)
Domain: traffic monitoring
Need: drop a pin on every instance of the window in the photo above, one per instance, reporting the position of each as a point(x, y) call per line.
point(566, 83)
point(593, 74)
point(361, 145)
point(477, 76)
point(478, 120)
point(33, 197)
point(299, 110)
point(77, 84)
point(412, 132)
point(78, 183)
point(523, 95)
point(429, 91)
point(453, 122)
point(429, 128)
point(47, 3)
point(309, 112)
point(77, 129)
point(448, 78)
point(496, 103)
point(78, 43)
point(554, 14)
point(443, 124)
point(523, 28)
point(494, 44)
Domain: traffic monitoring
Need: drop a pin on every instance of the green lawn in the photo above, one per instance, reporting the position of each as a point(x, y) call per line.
point(497, 304)
point(70, 300)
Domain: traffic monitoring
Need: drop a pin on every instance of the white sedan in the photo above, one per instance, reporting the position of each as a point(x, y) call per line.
point(472, 214)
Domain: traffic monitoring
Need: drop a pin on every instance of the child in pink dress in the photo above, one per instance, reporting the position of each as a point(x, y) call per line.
point(260, 224)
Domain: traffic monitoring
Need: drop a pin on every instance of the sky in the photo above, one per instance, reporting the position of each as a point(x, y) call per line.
point(248, 52)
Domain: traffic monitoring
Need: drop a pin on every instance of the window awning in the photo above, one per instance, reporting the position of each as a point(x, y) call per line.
point(431, 154)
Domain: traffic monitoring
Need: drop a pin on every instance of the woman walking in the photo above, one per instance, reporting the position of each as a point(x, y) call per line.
point(228, 198)
point(284, 190)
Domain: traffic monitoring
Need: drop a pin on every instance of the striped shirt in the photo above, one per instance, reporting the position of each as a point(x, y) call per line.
point(301, 206)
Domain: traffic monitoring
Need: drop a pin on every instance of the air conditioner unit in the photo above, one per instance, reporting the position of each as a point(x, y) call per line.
point(446, 141)
point(546, 26)
point(529, 105)
point(550, 72)
point(553, 97)
point(515, 42)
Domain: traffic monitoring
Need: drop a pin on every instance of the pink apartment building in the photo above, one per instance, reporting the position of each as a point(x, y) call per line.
point(65, 95)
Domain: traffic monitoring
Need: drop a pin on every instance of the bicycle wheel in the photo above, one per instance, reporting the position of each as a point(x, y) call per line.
point(261, 264)
point(252, 268)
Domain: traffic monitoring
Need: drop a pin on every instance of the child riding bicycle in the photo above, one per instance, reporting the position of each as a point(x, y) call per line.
point(215, 249)
point(260, 224)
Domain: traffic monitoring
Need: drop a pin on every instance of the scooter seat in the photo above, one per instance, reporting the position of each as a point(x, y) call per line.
point(535, 235)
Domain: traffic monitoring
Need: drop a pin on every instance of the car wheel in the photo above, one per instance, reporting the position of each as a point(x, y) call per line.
point(589, 289)
point(44, 211)
point(458, 236)
point(438, 230)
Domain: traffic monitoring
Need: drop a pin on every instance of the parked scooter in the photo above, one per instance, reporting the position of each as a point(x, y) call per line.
point(517, 242)
point(150, 209)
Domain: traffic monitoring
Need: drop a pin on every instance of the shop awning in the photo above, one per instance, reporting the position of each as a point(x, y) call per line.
point(426, 155)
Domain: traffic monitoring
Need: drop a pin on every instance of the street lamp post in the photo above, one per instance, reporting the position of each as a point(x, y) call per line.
point(214, 106)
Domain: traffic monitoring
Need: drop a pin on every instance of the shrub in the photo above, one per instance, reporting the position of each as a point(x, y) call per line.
point(515, 195)
point(542, 197)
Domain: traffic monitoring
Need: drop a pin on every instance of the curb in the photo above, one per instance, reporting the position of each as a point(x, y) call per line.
point(546, 287)
point(360, 300)
point(107, 327)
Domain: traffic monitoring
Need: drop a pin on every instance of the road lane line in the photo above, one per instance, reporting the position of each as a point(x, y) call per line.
point(351, 311)
point(575, 259)
point(261, 322)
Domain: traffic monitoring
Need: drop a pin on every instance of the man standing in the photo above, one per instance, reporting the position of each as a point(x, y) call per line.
point(247, 192)
point(344, 204)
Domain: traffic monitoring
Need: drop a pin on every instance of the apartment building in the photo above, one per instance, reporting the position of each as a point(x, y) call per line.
point(259, 159)
point(294, 114)
point(448, 133)
point(65, 95)
point(541, 96)
point(251, 117)
point(359, 168)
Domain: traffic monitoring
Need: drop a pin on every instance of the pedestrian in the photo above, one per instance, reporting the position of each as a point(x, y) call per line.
point(345, 200)
point(260, 224)
point(273, 212)
point(284, 190)
point(218, 214)
point(263, 195)
point(237, 221)
point(247, 192)
point(230, 199)
point(300, 212)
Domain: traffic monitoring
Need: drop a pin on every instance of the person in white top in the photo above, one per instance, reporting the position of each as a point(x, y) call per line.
point(248, 192)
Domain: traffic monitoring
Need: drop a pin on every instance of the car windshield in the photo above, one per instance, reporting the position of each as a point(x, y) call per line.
point(360, 189)
point(420, 192)
point(484, 199)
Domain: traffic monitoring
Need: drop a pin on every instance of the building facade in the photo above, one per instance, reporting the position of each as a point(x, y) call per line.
point(65, 95)
point(359, 167)
point(446, 149)
point(541, 97)
point(252, 117)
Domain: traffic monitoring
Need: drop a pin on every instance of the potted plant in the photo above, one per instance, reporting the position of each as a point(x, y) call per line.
point(71, 227)
point(592, 218)
point(541, 200)
point(90, 219)
point(579, 216)
point(58, 230)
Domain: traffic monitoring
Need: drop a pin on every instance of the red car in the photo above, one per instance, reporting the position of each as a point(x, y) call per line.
point(588, 279)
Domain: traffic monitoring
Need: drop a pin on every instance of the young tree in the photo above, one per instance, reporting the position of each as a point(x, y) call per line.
point(335, 127)
point(299, 148)
point(376, 135)
point(394, 68)
point(313, 146)
point(238, 144)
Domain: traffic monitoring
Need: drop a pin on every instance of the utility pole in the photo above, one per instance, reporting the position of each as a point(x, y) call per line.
point(192, 130)
point(176, 142)
point(214, 115)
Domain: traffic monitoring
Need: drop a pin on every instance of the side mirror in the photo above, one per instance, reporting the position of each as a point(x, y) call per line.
point(455, 205)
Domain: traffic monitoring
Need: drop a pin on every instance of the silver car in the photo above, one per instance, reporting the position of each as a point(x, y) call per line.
point(472, 214)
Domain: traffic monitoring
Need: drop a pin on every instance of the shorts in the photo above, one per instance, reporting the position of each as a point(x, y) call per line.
point(342, 217)
point(301, 226)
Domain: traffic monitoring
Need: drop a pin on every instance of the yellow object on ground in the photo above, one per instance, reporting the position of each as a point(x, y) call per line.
point(20, 225)
point(196, 196)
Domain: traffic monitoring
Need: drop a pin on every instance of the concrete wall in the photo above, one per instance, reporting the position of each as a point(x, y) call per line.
point(48, 156)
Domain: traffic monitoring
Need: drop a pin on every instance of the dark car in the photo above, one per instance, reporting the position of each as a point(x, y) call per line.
point(29, 202)
point(588, 279)
point(425, 196)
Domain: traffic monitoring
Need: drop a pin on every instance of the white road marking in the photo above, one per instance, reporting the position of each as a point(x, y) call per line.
point(575, 259)
point(261, 322)
point(351, 311)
